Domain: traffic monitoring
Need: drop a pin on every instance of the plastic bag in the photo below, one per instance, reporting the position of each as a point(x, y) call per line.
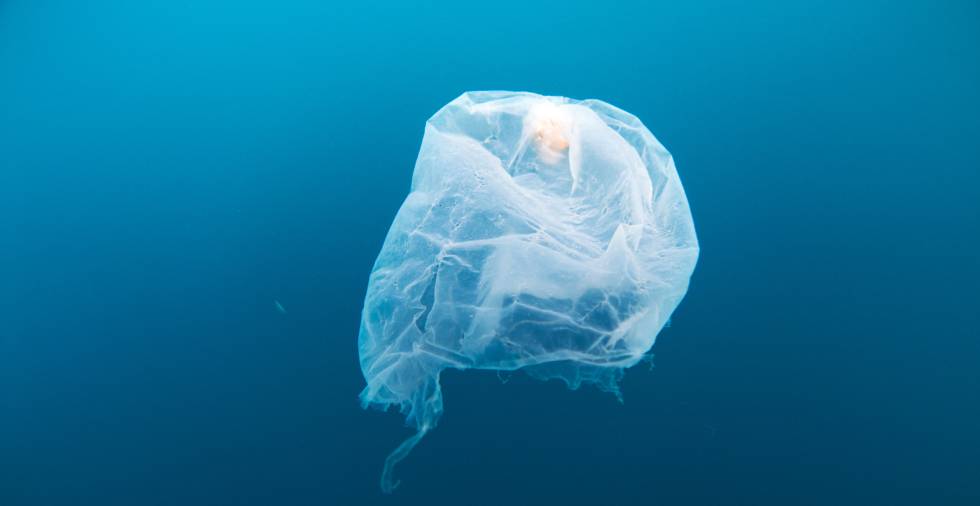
point(541, 233)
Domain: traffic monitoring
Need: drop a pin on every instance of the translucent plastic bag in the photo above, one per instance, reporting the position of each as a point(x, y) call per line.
point(541, 233)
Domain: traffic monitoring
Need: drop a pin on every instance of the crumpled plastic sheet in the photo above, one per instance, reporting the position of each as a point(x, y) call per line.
point(541, 233)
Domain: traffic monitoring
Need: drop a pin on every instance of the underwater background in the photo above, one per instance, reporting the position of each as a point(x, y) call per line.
point(192, 195)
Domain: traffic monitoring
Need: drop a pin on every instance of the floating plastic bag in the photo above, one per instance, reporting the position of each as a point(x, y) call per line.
point(541, 233)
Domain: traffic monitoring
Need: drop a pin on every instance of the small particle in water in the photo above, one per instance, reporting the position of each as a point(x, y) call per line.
point(279, 307)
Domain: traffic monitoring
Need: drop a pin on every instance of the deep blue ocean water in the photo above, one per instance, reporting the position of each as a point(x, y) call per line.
point(169, 170)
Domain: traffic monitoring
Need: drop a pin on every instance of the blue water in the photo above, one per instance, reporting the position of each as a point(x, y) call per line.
point(169, 170)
